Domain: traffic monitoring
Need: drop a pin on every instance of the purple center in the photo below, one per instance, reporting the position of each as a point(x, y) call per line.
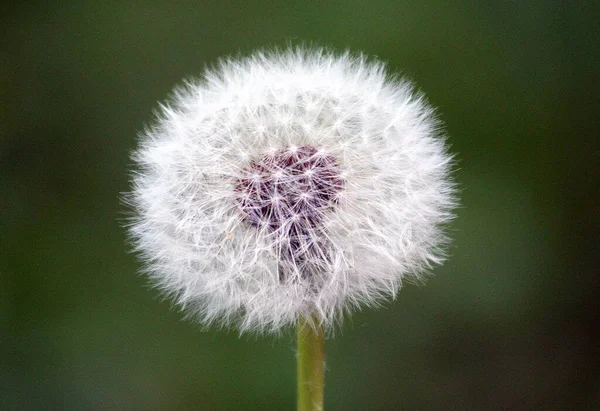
point(288, 193)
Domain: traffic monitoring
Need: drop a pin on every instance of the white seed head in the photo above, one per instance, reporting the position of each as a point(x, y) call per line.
point(290, 183)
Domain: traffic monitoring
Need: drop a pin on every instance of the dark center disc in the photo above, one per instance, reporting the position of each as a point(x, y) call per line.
point(288, 194)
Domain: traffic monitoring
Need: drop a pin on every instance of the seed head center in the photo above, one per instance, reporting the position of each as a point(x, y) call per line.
point(289, 191)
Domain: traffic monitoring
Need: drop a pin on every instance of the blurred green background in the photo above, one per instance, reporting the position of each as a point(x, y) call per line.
point(510, 322)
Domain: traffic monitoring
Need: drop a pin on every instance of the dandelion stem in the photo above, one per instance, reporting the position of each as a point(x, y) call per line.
point(311, 365)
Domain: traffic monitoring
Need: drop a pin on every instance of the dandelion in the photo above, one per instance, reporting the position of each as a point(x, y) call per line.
point(290, 186)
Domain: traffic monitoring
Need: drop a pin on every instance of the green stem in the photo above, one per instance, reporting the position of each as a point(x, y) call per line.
point(311, 365)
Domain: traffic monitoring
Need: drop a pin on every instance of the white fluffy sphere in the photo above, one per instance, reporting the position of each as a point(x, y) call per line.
point(290, 183)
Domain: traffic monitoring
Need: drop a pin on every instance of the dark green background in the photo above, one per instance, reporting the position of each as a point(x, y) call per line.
point(509, 322)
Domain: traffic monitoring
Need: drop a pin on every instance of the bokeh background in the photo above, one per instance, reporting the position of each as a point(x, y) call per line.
point(510, 322)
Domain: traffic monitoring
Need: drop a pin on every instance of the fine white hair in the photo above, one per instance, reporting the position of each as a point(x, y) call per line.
point(386, 224)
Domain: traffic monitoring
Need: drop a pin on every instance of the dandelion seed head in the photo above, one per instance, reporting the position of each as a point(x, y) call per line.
point(290, 183)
